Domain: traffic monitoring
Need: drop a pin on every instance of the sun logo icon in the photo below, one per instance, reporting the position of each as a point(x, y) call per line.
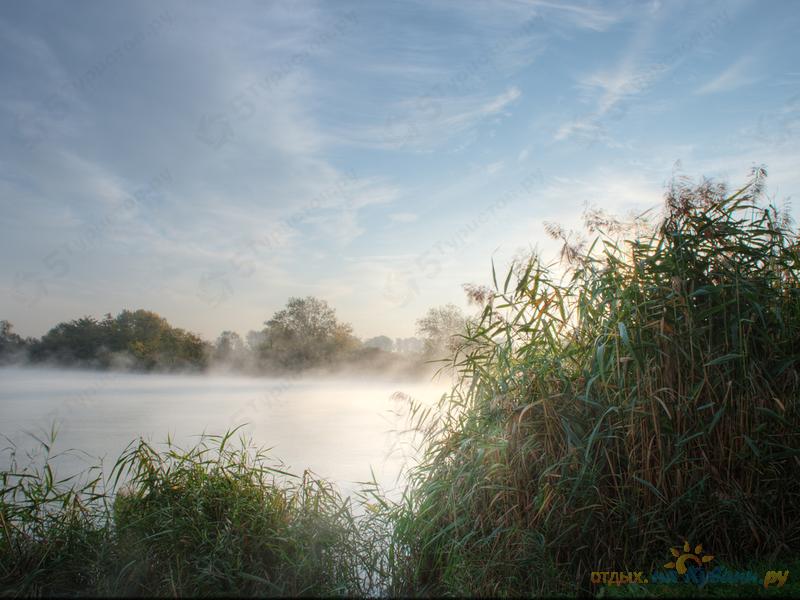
point(697, 557)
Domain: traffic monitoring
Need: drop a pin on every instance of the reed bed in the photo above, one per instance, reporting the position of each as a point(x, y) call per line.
point(220, 518)
point(649, 396)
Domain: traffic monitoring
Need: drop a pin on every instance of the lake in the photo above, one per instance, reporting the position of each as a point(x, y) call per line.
point(339, 428)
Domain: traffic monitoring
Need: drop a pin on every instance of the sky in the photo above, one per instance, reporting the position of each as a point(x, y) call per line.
point(209, 160)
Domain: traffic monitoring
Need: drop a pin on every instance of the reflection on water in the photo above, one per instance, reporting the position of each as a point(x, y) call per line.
point(339, 428)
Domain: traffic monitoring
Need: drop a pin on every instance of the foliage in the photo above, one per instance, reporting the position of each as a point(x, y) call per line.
point(441, 329)
point(306, 334)
point(49, 532)
point(230, 350)
point(649, 395)
point(12, 346)
point(409, 345)
point(141, 337)
point(216, 519)
point(381, 342)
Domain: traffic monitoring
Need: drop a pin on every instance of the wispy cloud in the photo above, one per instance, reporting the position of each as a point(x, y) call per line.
point(344, 149)
point(613, 89)
point(736, 75)
point(444, 119)
point(587, 15)
point(584, 16)
point(404, 217)
point(494, 167)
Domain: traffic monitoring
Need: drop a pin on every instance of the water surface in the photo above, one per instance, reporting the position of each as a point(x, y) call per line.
point(342, 429)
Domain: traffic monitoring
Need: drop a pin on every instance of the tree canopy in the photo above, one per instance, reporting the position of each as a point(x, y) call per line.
point(140, 337)
point(440, 328)
point(306, 334)
point(381, 342)
point(11, 344)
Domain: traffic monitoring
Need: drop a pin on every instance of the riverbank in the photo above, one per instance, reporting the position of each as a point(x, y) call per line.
point(224, 518)
point(631, 424)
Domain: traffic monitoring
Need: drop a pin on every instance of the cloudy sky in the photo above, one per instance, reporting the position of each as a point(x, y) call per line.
point(209, 160)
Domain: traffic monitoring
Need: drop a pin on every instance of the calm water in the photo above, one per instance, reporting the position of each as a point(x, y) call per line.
point(339, 428)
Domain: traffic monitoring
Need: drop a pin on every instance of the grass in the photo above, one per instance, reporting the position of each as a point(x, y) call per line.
point(216, 519)
point(646, 396)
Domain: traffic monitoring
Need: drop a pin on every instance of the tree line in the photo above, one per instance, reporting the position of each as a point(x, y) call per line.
point(306, 334)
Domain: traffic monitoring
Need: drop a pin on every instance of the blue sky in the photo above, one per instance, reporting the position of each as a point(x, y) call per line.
point(209, 160)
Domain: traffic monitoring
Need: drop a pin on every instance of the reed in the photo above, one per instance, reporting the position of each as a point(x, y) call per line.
point(647, 397)
point(219, 518)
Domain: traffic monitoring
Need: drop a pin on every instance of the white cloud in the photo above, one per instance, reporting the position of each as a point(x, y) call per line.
point(404, 217)
point(611, 89)
point(495, 167)
point(586, 17)
point(584, 127)
point(734, 76)
point(442, 119)
point(615, 86)
point(608, 88)
point(580, 16)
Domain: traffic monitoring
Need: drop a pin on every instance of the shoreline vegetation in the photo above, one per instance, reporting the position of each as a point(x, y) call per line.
point(645, 395)
point(303, 338)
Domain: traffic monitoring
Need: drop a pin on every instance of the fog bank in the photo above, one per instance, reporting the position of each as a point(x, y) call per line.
point(337, 426)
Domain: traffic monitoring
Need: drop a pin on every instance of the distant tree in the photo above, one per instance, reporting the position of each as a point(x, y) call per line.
point(140, 335)
point(255, 339)
point(440, 328)
point(306, 334)
point(154, 343)
point(380, 342)
point(410, 345)
point(82, 340)
point(229, 349)
point(228, 343)
point(12, 346)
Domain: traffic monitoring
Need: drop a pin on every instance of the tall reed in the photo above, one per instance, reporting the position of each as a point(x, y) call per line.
point(647, 397)
point(219, 518)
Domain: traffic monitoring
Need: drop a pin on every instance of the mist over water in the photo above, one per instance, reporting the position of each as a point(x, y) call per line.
point(340, 428)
